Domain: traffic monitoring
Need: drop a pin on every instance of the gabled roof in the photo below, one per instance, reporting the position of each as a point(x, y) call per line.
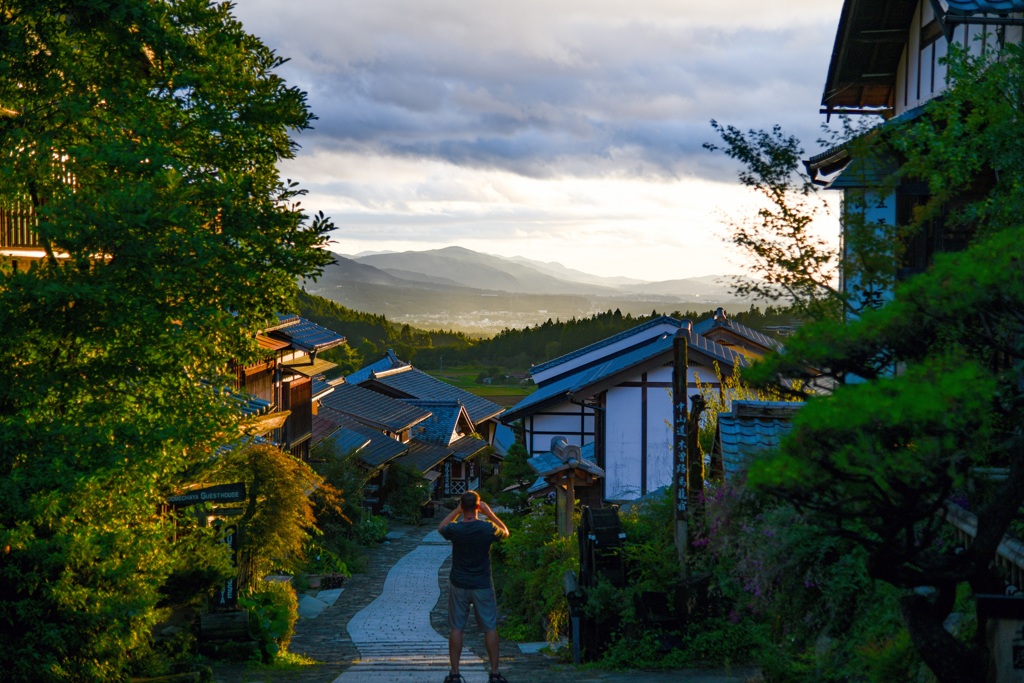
point(467, 447)
point(593, 379)
point(621, 336)
point(423, 456)
point(376, 449)
point(409, 382)
point(389, 362)
point(866, 54)
point(750, 428)
point(721, 323)
point(304, 335)
point(444, 418)
point(373, 409)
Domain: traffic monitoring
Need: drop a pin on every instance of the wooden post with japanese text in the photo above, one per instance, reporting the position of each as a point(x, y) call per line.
point(680, 374)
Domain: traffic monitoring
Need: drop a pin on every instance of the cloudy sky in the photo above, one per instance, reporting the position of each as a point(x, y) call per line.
point(563, 130)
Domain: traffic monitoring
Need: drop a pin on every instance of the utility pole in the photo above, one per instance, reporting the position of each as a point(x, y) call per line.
point(680, 377)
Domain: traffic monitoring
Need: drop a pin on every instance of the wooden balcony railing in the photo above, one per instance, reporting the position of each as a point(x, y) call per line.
point(1009, 556)
point(18, 227)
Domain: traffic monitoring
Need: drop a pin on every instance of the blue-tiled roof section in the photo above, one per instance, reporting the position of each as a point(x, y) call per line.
point(662, 320)
point(417, 384)
point(379, 448)
point(250, 406)
point(423, 456)
point(307, 335)
point(467, 446)
point(589, 376)
point(389, 362)
point(547, 464)
point(440, 426)
point(321, 388)
point(968, 7)
point(752, 427)
point(282, 320)
point(706, 326)
point(373, 409)
point(347, 441)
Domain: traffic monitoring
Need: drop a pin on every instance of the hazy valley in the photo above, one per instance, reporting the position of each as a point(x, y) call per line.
point(459, 289)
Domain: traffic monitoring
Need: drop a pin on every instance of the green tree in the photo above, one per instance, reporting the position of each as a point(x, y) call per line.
point(145, 136)
point(278, 515)
point(941, 388)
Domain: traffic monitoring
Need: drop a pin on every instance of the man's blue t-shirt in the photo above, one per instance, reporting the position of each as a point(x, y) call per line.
point(471, 552)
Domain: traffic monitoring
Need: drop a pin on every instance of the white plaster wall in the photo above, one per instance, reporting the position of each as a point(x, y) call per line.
point(622, 443)
point(915, 84)
point(659, 438)
point(567, 425)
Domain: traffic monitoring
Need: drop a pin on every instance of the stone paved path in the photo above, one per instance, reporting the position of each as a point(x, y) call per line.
point(393, 634)
point(389, 624)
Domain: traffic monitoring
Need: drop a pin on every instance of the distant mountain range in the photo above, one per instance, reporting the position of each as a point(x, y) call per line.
point(457, 288)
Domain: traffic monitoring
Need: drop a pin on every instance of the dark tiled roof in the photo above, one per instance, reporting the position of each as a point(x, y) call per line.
point(423, 456)
point(321, 388)
point(349, 441)
point(550, 463)
point(750, 428)
point(389, 362)
point(625, 334)
point(373, 409)
point(306, 335)
point(580, 381)
point(378, 449)
point(410, 382)
point(440, 427)
point(250, 406)
point(705, 327)
point(467, 446)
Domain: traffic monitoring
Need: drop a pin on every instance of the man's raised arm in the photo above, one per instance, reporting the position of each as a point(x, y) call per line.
point(487, 512)
point(452, 516)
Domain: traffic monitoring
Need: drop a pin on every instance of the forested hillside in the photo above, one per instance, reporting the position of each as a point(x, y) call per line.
point(370, 336)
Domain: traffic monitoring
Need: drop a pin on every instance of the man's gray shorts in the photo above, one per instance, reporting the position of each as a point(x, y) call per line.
point(484, 604)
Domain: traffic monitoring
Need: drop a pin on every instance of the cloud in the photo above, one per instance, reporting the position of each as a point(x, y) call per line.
point(565, 130)
point(546, 89)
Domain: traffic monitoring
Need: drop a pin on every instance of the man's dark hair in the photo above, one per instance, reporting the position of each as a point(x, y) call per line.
point(470, 500)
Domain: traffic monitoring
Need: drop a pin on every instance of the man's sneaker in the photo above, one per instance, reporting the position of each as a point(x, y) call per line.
point(456, 678)
point(497, 678)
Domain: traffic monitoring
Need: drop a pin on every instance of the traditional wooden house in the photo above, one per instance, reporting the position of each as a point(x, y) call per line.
point(617, 394)
point(736, 336)
point(886, 62)
point(394, 377)
point(373, 450)
point(450, 427)
point(284, 377)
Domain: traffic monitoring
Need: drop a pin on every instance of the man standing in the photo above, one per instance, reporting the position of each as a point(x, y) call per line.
point(470, 579)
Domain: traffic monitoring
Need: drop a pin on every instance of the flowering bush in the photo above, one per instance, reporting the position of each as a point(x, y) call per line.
point(528, 567)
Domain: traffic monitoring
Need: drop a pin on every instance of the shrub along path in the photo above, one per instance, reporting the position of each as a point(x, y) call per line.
point(328, 639)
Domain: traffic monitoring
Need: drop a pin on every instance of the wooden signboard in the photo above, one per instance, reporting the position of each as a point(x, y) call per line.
point(222, 493)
